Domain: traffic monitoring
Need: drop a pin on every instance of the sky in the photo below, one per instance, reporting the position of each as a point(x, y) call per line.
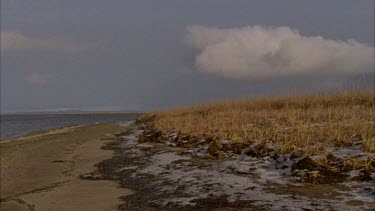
point(150, 55)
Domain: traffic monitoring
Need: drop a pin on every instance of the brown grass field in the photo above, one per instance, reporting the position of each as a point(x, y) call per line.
point(312, 122)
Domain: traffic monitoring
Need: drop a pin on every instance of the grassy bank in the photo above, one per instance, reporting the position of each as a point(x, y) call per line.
point(312, 122)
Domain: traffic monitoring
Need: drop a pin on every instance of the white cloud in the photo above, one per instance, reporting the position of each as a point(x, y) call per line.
point(38, 78)
point(15, 41)
point(261, 52)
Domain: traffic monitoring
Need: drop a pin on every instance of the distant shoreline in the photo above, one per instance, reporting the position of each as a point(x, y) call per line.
point(41, 133)
point(18, 125)
point(73, 113)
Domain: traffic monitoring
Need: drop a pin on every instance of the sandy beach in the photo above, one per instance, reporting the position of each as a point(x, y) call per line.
point(42, 171)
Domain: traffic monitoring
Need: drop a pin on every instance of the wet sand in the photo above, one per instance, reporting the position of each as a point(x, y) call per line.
point(42, 171)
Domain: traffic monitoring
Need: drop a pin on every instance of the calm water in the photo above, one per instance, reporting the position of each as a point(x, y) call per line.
point(17, 125)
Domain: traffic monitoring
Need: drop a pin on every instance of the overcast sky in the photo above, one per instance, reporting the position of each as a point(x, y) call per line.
point(146, 55)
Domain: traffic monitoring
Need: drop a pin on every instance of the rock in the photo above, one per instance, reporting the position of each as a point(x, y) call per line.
point(216, 155)
point(215, 146)
point(296, 154)
point(163, 137)
point(274, 155)
point(222, 155)
point(171, 144)
point(256, 150)
point(323, 177)
point(194, 140)
point(214, 149)
point(306, 163)
point(150, 136)
point(200, 143)
point(209, 140)
point(330, 159)
point(186, 141)
point(251, 152)
point(208, 156)
point(281, 159)
point(185, 137)
point(173, 137)
point(236, 148)
point(141, 127)
point(225, 141)
point(312, 177)
point(313, 172)
point(197, 151)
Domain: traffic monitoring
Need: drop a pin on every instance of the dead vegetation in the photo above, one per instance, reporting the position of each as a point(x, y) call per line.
point(311, 123)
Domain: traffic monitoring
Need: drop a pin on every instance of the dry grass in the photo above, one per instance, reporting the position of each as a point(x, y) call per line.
point(309, 122)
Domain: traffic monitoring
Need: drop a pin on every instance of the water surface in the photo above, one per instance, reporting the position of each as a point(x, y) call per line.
point(18, 125)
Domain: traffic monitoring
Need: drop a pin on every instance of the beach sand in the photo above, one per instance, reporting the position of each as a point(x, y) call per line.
point(41, 171)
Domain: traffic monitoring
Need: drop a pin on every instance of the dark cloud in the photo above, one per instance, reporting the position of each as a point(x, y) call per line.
point(131, 54)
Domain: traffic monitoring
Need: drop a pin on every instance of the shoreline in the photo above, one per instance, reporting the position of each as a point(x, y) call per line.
point(13, 127)
point(72, 113)
point(42, 171)
point(41, 133)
